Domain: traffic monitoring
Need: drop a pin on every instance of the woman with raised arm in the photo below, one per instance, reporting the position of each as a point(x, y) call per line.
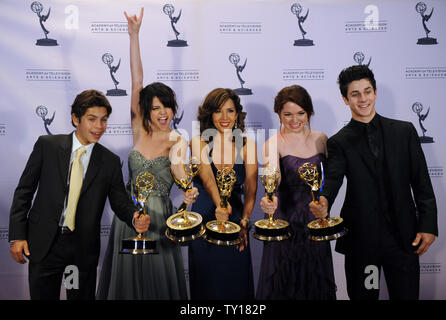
point(223, 272)
point(157, 149)
point(297, 268)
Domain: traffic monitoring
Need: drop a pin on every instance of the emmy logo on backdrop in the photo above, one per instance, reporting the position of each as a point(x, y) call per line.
point(320, 229)
point(234, 58)
point(271, 229)
point(176, 120)
point(107, 58)
point(421, 9)
point(417, 107)
point(169, 9)
point(141, 190)
point(359, 58)
point(37, 8)
point(42, 111)
point(296, 9)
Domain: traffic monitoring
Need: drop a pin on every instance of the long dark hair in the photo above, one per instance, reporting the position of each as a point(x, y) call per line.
point(164, 93)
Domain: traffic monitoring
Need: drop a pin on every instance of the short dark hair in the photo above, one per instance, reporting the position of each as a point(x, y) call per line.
point(354, 73)
point(88, 99)
point(163, 92)
point(213, 102)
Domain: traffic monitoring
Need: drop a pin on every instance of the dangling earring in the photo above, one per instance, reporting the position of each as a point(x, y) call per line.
point(235, 126)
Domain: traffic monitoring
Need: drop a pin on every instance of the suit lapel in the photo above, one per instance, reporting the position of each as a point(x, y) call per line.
point(64, 158)
point(93, 167)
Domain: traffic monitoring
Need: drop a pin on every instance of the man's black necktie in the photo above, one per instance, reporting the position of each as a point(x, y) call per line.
point(372, 139)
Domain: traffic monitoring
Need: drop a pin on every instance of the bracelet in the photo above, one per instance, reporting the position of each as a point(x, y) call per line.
point(248, 222)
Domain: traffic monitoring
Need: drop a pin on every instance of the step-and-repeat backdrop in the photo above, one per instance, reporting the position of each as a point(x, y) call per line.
point(51, 50)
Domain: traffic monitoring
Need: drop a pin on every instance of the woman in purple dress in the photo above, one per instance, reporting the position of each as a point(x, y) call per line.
point(297, 268)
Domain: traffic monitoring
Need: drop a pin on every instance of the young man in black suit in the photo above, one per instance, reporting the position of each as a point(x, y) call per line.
point(61, 227)
point(384, 164)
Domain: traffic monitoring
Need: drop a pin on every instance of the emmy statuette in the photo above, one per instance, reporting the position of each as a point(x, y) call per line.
point(271, 229)
point(224, 233)
point(184, 226)
point(140, 245)
point(326, 228)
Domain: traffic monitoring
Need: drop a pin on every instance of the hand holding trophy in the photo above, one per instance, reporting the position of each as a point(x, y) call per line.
point(140, 192)
point(184, 225)
point(271, 229)
point(225, 233)
point(326, 228)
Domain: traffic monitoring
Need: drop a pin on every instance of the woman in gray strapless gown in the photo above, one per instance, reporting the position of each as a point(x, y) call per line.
point(155, 276)
point(151, 276)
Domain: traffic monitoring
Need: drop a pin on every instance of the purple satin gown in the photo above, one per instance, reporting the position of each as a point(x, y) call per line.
point(297, 268)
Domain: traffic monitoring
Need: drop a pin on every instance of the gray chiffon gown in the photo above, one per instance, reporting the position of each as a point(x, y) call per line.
point(145, 277)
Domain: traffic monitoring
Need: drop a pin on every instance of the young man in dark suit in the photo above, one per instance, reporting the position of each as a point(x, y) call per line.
point(384, 164)
point(73, 175)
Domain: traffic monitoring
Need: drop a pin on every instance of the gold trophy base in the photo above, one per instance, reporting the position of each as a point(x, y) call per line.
point(275, 230)
point(222, 233)
point(184, 226)
point(327, 229)
point(138, 245)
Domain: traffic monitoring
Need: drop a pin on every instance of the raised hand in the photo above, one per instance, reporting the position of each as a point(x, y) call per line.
point(134, 22)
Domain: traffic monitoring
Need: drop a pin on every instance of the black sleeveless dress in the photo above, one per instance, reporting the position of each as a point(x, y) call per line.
point(220, 272)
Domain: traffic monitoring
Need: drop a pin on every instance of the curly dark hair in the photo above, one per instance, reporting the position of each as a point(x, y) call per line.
point(164, 93)
point(213, 102)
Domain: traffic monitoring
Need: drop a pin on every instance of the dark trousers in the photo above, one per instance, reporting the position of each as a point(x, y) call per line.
point(401, 271)
point(47, 276)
